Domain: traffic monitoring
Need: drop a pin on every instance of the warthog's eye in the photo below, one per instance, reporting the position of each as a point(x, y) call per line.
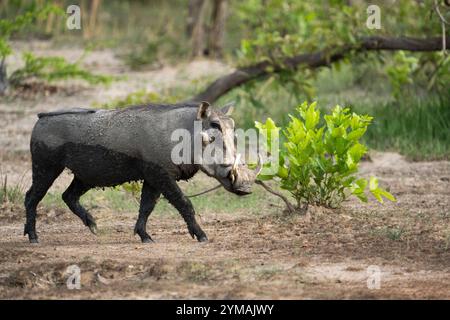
point(216, 125)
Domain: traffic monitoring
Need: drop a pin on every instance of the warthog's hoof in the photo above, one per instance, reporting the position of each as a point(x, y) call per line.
point(93, 227)
point(147, 240)
point(34, 240)
point(203, 239)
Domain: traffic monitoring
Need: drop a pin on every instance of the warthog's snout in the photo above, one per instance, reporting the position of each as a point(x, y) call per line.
point(240, 178)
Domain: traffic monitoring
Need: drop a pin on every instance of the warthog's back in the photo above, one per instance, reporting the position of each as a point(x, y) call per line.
point(66, 111)
point(89, 141)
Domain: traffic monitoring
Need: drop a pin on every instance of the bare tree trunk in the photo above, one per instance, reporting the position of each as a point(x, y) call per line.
point(89, 28)
point(193, 10)
point(217, 31)
point(195, 26)
point(84, 14)
point(49, 24)
point(95, 4)
point(3, 77)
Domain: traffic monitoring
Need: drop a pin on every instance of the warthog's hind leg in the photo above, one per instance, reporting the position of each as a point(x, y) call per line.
point(72, 198)
point(149, 196)
point(43, 178)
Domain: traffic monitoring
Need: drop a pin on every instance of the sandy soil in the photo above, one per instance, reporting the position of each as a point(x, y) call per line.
point(325, 254)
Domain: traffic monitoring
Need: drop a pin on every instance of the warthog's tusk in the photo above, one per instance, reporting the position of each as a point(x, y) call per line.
point(259, 166)
point(232, 177)
point(205, 138)
point(234, 168)
point(236, 163)
point(245, 175)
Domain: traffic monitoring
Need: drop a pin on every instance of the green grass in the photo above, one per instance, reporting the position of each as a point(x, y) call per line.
point(195, 271)
point(111, 198)
point(223, 201)
point(417, 128)
point(392, 233)
point(11, 193)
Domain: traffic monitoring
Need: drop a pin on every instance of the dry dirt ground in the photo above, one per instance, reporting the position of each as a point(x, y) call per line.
point(325, 254)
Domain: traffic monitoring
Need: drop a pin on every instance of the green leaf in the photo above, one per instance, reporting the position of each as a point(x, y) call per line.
point(311, 116)
point(283, 172)
point(387, 195)
point(356, 152)
point(270, 131)
point(361, 196)
point(356, 134)
point(264, 177)
point(362, 183)
point(373, 183)
point(377, 195)
point(378, 192)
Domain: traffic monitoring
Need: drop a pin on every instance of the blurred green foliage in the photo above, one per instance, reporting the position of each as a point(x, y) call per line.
point(46, 69)
point(50, 69)
point(400, 71)
point(284, 28)
point(17, 22)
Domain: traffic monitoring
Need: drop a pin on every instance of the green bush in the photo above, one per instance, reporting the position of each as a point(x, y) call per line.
point(319, 159)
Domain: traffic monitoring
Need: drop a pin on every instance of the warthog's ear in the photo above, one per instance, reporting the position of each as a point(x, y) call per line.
point(228, 108)
point(203, 111)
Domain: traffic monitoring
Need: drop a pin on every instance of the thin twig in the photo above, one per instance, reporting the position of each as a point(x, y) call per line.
point(443, 23)
point(436, 7)
point(203, 192)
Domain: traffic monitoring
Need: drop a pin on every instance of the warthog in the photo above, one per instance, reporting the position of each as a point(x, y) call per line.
point(105, 148)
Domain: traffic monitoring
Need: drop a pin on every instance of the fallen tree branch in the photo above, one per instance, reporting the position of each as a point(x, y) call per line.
point(203, 192)
point(315, 60)
point(289, 205)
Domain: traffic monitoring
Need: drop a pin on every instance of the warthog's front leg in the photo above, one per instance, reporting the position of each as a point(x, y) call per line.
point(184, 206)
point(175, 196)
point(149, 196)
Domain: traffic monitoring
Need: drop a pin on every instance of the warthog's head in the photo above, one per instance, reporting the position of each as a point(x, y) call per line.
point(220, 159)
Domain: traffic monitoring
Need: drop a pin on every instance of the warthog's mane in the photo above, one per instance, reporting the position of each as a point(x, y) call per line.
point(158, 107)
point(142, 107)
